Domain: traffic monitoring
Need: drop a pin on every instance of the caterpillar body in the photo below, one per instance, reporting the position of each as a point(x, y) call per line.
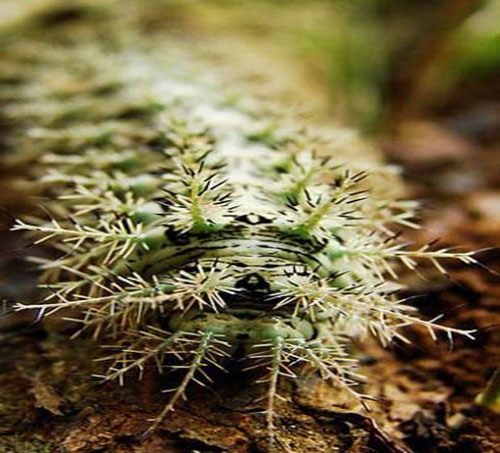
point(191, 220)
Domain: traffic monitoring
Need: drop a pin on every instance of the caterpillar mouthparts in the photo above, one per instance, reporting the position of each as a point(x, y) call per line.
point(191, 219)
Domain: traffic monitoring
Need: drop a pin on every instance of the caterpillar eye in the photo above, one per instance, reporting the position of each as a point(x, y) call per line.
point(253, 283)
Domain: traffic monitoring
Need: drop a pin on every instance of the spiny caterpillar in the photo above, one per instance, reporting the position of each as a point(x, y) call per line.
point(193, 223)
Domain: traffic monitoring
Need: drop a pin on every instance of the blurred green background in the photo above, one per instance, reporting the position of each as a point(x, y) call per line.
point(382, 61)
point(373, 63)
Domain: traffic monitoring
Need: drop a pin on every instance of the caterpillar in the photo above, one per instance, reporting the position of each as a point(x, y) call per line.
point(191, 221)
